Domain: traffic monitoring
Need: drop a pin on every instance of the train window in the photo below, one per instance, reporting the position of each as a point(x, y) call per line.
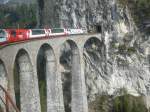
point(57, 30)
point(38, 31)
point(13, 33)
point(2, 34)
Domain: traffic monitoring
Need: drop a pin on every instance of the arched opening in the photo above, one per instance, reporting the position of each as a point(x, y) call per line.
point(46, 70)
point(70, 73)
point(95, 69)
point(23, 82)
point(4, 84)
point(98, 28)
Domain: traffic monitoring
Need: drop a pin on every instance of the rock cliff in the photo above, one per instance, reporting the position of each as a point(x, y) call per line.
point(120, 60)
point(73, 13)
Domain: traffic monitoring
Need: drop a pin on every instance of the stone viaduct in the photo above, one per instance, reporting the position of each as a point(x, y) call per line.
point(22, 59)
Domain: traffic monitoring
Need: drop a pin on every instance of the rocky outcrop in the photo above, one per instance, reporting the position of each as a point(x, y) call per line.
point(126, 59)
point(73, 13)
point(122, 62)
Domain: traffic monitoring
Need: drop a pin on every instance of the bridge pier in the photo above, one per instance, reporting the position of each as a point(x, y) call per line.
point(79, 98)
point(26, 82)
point(53, 84)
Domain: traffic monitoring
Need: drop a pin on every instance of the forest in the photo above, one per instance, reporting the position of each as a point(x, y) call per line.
point(22, 16)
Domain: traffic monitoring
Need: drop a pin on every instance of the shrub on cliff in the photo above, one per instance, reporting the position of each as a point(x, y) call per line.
point(129, 103)
point(140, 12)
point(123, 103)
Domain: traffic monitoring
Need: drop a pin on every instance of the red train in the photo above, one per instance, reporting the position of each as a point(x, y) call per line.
point(16, 35)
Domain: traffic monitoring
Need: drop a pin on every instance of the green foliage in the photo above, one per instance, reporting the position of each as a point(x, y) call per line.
point(128, 103)
point(143, 3)
point(123, 103)
point(131, 50)
point(123, 49)
point(123, 2)
point(140, 12)
point(42, 88)
point(1, 109)
point(22, 16)
point(101, 104)
point(114, 46)
point(17, 85)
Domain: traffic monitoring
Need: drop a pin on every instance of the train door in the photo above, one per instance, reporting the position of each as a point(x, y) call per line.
point(26, 34)
point(3, 36)
point(13, 35)
point(22, 34)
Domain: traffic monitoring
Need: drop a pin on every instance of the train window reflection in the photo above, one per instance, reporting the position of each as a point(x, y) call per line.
point(2, 34)
point(57, 30)
point(38, 31)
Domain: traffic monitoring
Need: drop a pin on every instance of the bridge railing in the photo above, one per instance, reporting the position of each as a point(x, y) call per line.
point(8, 100)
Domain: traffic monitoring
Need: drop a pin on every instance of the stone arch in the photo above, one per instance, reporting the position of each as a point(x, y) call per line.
point(94, 68)
point(24, 82)
point(4, 84)
point(46, 70)
point(71, 77)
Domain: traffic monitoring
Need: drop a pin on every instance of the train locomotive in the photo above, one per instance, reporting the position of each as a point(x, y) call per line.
point(8, 36)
